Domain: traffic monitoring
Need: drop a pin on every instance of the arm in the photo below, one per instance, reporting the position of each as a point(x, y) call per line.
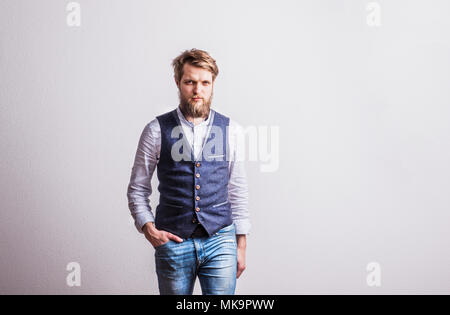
point(139, 188)
point(241, 247)
point(238, 193)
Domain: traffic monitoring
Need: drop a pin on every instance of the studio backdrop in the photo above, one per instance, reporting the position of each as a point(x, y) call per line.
point(346, 109)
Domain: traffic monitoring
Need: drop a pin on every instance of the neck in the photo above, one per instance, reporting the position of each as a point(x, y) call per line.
point(196, 121)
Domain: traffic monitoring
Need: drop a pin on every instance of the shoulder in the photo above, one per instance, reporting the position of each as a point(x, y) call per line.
point(154, 126)
point(234, 124)
point(235, 128)
point(220, 118)
point(152, 129)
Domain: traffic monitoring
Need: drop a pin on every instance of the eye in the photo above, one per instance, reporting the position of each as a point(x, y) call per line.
point(188, 82)
point(206, 82)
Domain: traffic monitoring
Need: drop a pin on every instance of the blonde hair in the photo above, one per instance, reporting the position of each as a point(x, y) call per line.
point(195, 57)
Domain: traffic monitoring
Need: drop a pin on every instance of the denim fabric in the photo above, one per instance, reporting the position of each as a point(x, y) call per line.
point(212, 259)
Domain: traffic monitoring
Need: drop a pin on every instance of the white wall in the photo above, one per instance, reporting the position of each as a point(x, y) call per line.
point(363, 113)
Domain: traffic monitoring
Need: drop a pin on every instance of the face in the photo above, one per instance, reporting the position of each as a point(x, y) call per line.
point(195, 91)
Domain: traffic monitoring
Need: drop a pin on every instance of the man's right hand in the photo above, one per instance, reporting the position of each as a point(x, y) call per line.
point(158, 237)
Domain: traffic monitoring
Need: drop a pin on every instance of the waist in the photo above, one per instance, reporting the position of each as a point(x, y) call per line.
point(199, 232)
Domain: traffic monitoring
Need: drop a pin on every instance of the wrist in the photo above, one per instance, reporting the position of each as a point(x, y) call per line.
point(241, 241)
point(149, 226)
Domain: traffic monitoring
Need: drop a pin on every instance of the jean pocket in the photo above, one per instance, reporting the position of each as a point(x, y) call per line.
point(163, 245)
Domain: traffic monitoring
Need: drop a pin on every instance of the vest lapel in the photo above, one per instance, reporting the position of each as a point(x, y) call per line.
point(208, 133)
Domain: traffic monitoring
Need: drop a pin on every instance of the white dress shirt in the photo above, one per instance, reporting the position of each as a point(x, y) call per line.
point(147, 157)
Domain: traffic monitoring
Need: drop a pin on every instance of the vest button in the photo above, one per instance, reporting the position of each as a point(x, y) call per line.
point(197, 209)
point(197, 198)
point(198, 164)
point(194, 221)
point(197, 175)
point(197, 187)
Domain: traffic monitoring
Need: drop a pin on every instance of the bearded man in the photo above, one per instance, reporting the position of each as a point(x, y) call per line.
point(202, 219)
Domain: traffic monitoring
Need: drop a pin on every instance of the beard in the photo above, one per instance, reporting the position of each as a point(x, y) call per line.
point(191, 108)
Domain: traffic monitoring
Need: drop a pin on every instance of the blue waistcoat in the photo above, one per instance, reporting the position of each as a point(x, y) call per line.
point(193, 190)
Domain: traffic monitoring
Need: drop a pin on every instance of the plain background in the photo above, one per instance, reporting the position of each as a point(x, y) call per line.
point(363, 114)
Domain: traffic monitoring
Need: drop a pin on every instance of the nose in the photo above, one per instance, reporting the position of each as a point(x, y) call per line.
point(197, 88)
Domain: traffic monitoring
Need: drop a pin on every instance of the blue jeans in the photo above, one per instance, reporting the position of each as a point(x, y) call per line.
point(213, 259)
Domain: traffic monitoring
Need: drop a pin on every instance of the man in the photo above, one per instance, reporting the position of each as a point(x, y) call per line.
point(202, 219)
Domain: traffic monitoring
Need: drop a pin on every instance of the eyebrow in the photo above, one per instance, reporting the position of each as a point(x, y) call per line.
point(196, 80)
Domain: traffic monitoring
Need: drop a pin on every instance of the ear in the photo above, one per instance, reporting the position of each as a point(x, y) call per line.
point(176, 82)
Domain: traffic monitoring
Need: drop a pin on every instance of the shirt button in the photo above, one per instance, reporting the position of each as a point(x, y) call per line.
point(197, 198)
point(198, 164)
point(197, 187)
point(197, 209)
point(197, 175)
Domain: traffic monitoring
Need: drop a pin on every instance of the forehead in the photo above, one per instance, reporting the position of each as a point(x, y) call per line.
point(196, 73)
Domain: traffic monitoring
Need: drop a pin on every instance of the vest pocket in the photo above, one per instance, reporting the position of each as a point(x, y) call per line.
point(215, 157)
point(220, 204)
